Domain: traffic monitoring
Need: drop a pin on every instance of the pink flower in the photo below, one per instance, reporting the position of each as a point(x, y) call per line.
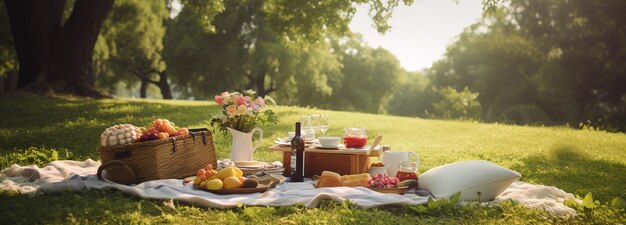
point(241, 100)
point(260, 101)
point(219, 100)
point(231, 110)
point(248, 101)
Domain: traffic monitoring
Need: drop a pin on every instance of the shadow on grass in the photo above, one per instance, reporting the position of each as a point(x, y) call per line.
point(76, 124)
point(570, 168)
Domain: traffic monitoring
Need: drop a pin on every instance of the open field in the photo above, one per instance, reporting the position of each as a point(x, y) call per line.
point(578, 161)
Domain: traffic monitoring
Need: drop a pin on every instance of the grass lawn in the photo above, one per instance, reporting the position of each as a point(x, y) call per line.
point(578, 161)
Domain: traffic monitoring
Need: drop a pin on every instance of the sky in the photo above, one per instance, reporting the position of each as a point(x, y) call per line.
point(419, 33)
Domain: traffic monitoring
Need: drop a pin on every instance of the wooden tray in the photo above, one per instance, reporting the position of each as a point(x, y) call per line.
point(400, 190)
point(258, 189)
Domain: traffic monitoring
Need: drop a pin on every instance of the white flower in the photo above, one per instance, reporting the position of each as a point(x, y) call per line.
point(270, 100)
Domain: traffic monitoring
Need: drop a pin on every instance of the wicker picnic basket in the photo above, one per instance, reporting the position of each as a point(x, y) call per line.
point(172, 158)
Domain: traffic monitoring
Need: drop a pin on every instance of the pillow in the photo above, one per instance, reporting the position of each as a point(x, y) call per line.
point(476, 180)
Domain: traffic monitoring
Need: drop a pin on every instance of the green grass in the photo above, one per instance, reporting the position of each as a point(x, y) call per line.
point(578, 161)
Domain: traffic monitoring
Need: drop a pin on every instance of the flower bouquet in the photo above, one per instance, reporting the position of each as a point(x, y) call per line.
point(242, 111)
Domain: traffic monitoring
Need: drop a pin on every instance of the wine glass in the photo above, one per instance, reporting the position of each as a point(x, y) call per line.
point(323, 124)
point(306, 126)
point(315, 122)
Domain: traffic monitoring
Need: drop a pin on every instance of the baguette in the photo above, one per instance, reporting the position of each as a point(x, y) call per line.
point(332, 179)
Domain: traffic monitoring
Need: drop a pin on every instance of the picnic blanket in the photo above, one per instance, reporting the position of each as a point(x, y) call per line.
point(66, 175)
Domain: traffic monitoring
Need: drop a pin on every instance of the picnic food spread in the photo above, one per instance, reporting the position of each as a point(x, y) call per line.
point(305, 155)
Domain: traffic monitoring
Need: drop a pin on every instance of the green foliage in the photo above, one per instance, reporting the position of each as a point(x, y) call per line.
point(437, 205)
point(33, 156)
point(313, 21)
point(130, 45)
point(455, 104)
point(554, 62)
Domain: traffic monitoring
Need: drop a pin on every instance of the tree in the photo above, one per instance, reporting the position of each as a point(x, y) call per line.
point(500, 64)
point(8, 59)
point(369, 77)
point(243, 53)
point(60, 52)
point(132, 38)
point(585, 39)
point(415, 97)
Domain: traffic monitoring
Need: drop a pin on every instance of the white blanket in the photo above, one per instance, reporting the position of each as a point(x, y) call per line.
point(59, 176)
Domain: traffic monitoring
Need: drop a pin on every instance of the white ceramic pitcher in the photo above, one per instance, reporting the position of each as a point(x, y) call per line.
point(392, 159)
point(242, 149)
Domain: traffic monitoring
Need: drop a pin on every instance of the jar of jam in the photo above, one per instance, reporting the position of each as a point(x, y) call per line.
point(355, 137)
point(407, 171)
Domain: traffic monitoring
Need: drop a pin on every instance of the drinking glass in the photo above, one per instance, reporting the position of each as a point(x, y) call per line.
point(307, 128)
point(323, 123)
point(315, 122)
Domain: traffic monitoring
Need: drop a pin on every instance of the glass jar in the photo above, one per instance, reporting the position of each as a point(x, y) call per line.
point(407, 171)
point(355, 137)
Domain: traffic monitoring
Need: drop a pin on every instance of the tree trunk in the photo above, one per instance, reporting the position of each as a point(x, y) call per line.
point(56, 54)
point(35, 25)
point(164, 85)
point(143, 88)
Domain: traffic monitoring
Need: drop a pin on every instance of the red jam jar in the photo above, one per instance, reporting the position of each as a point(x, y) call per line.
point(355, 137)
point(407, 171)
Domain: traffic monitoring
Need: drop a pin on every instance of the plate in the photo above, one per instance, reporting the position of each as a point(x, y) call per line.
point(340, 146)
point(259, 189)
point(249, 164)
point(400, 190)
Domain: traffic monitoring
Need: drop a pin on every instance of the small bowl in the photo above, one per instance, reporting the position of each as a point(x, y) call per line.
point(328, 141)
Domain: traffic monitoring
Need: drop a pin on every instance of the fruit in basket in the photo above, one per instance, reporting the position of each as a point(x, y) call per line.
point(380, 181)
point(215, 184)
point(163, 135)
point(182, 131)
point(232, 183)
point(120, 134)
point(208, 167)
point(162, 129)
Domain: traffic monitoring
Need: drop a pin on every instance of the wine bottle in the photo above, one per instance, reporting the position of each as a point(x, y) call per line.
point(297, 153)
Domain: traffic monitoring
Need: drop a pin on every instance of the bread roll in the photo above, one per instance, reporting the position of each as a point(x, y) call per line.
point(329, 179)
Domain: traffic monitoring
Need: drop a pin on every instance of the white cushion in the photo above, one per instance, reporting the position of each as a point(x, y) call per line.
point(475, 179)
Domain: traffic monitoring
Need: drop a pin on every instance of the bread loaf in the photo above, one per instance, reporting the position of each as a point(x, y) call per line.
point(332, 179)
point(329, 179)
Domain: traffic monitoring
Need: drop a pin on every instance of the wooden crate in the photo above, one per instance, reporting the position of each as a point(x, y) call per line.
point(316, 161)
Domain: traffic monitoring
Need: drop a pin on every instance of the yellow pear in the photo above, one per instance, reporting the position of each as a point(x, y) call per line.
point(229, 172)
point(232, 182)
point(213, 177)
point(215, 184)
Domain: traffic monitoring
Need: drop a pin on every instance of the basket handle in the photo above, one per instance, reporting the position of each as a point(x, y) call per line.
point(120, 163)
